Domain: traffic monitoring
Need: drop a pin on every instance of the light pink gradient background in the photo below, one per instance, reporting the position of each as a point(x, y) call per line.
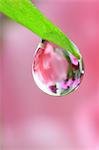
point(32, 120)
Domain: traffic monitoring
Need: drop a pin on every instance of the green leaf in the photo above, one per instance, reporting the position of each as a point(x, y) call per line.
point(26, 14)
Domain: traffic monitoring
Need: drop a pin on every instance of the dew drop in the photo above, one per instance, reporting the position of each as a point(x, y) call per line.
point(56, 71)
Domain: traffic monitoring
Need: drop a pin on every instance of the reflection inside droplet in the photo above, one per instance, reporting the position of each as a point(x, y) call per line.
point(56, 71)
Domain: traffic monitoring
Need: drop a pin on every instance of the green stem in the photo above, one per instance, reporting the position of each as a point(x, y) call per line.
point(26, 14)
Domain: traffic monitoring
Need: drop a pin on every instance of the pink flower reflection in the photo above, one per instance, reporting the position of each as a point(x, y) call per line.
point(50, 64)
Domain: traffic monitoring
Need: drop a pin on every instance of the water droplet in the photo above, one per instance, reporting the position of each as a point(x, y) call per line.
point(56, 71)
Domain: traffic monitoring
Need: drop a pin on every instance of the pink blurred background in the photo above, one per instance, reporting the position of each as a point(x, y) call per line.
point(32, 120)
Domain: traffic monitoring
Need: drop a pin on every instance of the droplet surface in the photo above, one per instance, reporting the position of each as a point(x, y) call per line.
point(56, 71)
